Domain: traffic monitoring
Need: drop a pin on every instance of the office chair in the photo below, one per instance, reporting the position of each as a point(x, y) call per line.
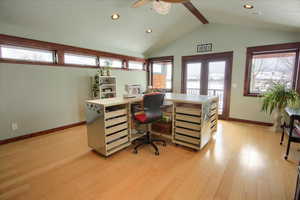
point(152, 104)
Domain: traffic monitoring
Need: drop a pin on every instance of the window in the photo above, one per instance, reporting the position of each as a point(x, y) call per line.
point(26, 54)
point(22, 50)
point(80, 59)
point(135, 65)
point(161, 70)
point(266, 68)
point(110, 62)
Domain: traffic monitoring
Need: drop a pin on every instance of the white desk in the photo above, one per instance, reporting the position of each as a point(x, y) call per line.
point(109, 127)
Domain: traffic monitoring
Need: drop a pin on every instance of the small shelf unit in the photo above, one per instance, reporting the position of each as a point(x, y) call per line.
point(104, 87)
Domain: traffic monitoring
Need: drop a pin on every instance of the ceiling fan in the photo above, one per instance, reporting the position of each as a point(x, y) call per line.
point(160, 6)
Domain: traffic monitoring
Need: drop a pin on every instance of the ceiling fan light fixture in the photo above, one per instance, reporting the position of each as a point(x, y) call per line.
point(161, 7)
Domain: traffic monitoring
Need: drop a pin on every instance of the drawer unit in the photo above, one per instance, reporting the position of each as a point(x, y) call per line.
point(188, 110)
point(188, 125)
point(117, 128)
point(116, 136)
point(187, 139)
point(116, 143)
point(115, 113)
point(108, 128)
point(187, 132)
point(188, 118)
point(114, 121)
point(213, 116)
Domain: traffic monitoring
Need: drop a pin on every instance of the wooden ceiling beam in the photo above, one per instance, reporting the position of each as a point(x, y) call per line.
point(195, 12)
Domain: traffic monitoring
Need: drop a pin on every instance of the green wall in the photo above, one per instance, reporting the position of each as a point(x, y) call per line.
point(44, 97)
point(228, 38)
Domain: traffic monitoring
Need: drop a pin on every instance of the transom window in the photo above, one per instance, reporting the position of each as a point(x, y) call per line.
point(266, 68)
point(135, 65)
point(26, 54)
point(77, 59)
point(110, 62)
point(27, 51)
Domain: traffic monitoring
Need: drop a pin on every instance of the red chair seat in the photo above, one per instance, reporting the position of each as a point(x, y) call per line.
point(141, 118)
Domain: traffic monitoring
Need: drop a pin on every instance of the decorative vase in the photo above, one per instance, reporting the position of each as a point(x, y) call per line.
point(277, 116)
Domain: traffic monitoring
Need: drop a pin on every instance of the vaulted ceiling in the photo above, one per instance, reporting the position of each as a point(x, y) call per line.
point(89, 20)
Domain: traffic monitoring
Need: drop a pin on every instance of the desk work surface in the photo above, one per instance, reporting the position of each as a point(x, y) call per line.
point(293, 111)
point(111, 128)
point(175, 97)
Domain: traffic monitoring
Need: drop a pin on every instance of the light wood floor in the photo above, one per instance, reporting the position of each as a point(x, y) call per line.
point(241, 162)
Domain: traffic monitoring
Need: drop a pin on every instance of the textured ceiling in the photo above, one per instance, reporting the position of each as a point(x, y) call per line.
point(90, 19)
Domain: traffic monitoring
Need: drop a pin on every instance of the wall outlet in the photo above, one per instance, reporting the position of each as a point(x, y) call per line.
point(14, 126)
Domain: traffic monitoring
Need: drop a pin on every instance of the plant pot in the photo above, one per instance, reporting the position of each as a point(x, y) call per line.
point(277, 116)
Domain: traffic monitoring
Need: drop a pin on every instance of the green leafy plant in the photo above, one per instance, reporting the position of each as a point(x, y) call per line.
point(278, 97)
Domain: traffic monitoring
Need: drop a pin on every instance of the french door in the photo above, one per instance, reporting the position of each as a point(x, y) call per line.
point(209, 74)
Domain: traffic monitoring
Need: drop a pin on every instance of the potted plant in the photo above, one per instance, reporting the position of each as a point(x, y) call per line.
point(276, 99)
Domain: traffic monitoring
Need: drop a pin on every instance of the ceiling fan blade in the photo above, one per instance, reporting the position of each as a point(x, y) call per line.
point(175, 1)
point(140, 3)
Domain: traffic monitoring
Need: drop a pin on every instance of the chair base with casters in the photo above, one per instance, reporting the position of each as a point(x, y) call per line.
point(149, 113)
point(148, 140)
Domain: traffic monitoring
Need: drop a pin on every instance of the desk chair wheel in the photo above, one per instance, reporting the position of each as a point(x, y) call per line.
point(135, 151)
point(285, 157)
point(157, 153)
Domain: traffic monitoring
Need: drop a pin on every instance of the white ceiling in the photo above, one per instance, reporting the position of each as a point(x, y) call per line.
point(90, 19)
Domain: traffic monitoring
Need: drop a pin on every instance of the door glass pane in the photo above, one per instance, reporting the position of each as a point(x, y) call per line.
point(216, 81)
point(193, 78)
point(162, 75)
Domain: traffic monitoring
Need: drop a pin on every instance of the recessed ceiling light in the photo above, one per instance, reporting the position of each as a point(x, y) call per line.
point(149, 30)
point(115, 16)
point(248, 6)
